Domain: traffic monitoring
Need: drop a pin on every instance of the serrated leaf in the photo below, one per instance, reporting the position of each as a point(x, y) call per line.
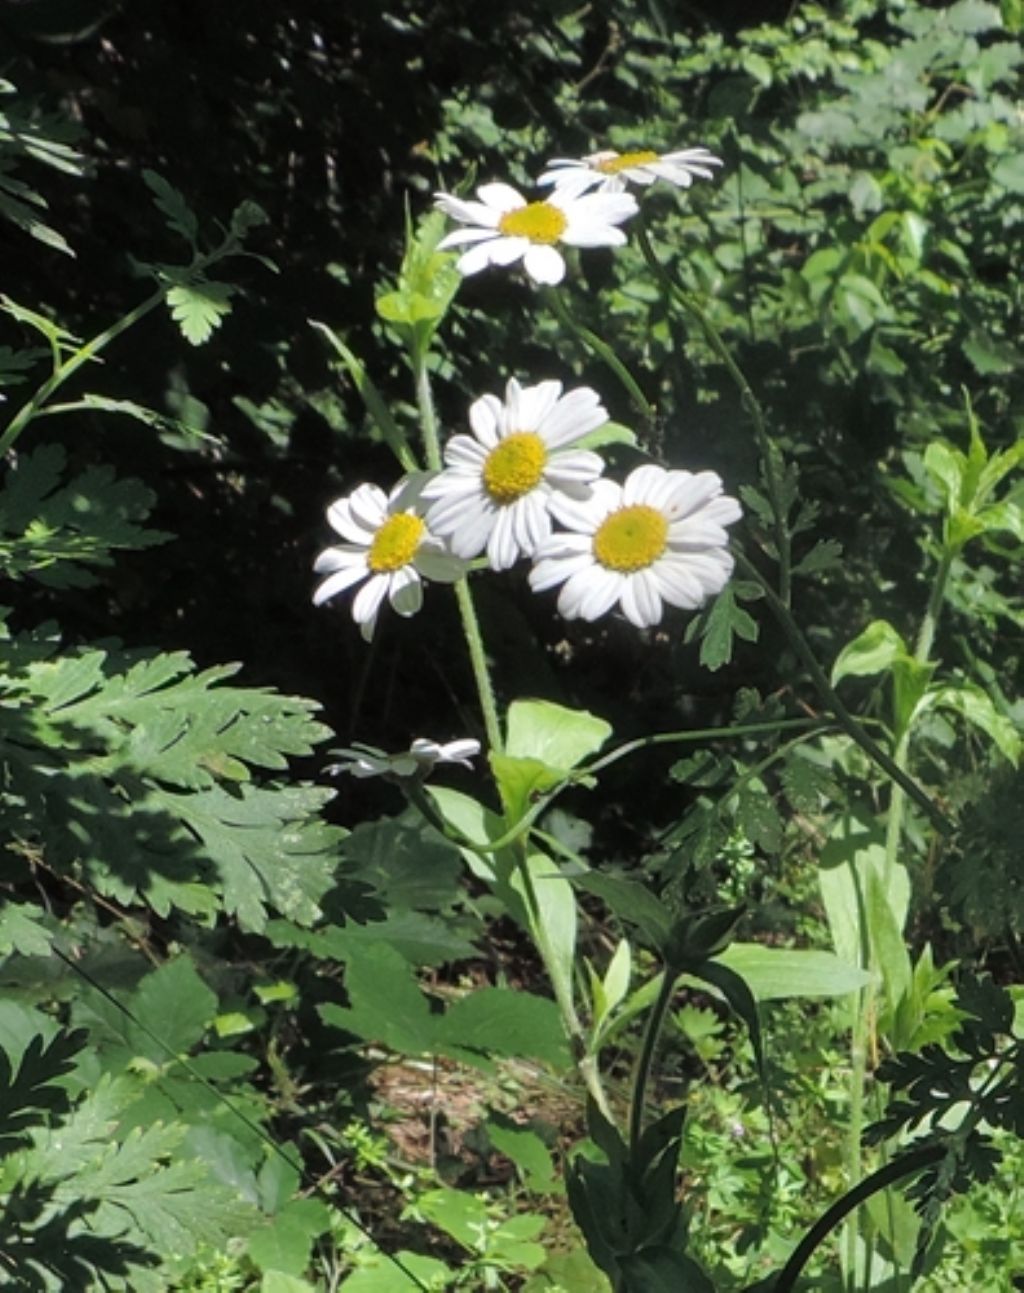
point(825, 555)
point(198, 308)
point(120, 769)
point(759, 818)
point(806, 783)
point(724, 621)
point(53, 531)
point(180, 216)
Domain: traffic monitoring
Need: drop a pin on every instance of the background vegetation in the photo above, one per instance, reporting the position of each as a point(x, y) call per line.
point(210, 945)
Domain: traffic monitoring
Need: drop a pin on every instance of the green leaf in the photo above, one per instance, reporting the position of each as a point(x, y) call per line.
point(29, 1088)
point(180, 217)
point(777, 973)
point(506, 1022)
point(53, 531)
point(721, 624)
point(556, 736)
point(855, 852)
point(379, 1274)
point(387, 1005)
point(608, 433)
point(120, 766)
point(552, 919)
point(972, 704)
point(175, 1002)
point(286, 1242)
point(759, 818)
point(21, 931)
point(873, 651)
point(805, 782)
point(526, 1150)
point(825, 555)
point(199, 307)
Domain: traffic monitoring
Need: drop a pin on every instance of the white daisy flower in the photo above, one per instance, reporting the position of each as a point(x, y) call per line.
point(609, 171)
point(495, 491)
point(390, 547)
point(504, 227)
point(660, 537)
point(418, 761)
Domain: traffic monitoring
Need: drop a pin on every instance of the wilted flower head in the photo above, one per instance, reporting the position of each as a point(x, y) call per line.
point(503, 227)
point(611, 172)
point(418, 761)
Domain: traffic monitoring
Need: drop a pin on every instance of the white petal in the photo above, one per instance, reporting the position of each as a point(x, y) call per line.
point(459, 237)
point(485, 418)
point(641, 604)
point(470, 539)
point(528, 406)
point(459, 751)
point(589, 594)
point(585, 515)
point(462, 451)
point(531, 522)
point(340, 559)
point(574, 467)
point(337, 583)
point(466, 212)
point(547, 573)
point(690, 491)
point(507, 249)
point(502, 548)
point(500, 197)
point(649, 485)
point(406, 591)
point(457, 507)
point(368, 507)
point(477, 258)
point(544, 264)
point(576, 414)
point(677, 582)
point(367, 601)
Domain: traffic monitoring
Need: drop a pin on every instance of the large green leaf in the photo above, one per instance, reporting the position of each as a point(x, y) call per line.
point(775, 973)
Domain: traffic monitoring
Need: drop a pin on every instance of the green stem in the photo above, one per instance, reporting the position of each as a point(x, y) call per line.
point(863, 1034)
point(907, 1165)
point(604, 352)
point(701, 734)
point(63, 371)
point(770, 455)
point(828, 694)
point(586, 1063)
point(71, 365)
point(463, 596)
point(425, 401)
point(646, 1060)
point(478, 660)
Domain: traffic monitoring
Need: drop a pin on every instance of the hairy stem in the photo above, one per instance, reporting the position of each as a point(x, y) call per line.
point(605, 353)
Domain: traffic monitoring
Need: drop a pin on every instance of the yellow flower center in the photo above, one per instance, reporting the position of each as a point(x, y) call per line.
point(395, 543)
point(631, 538)
point(514, 466)
point(538, 221)
point(623, 161)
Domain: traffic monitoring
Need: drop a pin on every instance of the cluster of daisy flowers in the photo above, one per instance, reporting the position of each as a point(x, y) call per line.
point(588, 201)
point(520, 487)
